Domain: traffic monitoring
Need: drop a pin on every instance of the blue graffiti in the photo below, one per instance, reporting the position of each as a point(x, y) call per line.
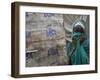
point(48, 14)
point(51, 32)
point(53, 51)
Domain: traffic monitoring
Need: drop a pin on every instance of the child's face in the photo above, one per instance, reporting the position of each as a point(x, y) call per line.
point(78, 28)
point(78, 34)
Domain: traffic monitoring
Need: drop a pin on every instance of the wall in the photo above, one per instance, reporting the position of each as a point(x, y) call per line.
point(5, 40)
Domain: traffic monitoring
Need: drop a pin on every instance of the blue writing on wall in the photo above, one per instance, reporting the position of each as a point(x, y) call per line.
point(51, 32)
point(48, 14)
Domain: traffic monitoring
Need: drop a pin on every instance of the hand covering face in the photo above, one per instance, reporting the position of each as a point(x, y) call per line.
point(78, 51)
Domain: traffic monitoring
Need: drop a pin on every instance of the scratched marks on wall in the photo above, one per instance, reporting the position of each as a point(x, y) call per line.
point(45, 40)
